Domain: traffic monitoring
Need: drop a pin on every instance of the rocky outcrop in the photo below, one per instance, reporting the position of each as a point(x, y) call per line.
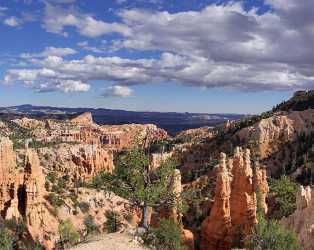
point(196, 134)
point(22, 194)
point(92, 159)
point(302, 220)
point(120, 137)
point(216, 228)
point(233, 213)
point(80, 161)
point(42, 225)
point(270, 136)
point(83, 119)
point(7, 156)
point(29, 123)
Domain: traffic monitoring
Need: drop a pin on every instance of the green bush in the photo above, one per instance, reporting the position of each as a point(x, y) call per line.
point(270, 235)
point(55, 200)
point(113, 223)
point(62, 182)
point(52, 177)
point(284, 193)
point(68, 234)
point(90, 225)
point(14, 235)
point(84, 206)
point(167, 236)
point(6, 239)
point(99, 180)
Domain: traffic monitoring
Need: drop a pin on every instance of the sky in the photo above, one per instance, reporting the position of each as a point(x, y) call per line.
point(156, 55)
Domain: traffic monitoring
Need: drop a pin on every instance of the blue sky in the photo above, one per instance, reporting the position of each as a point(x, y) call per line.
point(156, 55)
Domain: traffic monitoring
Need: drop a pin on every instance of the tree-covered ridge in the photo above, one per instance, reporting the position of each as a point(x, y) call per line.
point(300, 101)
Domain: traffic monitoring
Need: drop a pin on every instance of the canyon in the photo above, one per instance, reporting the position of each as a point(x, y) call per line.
point(47, 167)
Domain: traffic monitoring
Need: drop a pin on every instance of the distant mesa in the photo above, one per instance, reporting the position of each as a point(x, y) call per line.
point(85, 118)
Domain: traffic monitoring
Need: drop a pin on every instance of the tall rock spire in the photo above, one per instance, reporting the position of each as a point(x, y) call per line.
point(216, 227)
point(233, 213)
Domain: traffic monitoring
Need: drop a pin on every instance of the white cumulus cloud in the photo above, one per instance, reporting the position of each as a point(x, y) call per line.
point(220, 46)
point(117, 91)
point(50, 51)
point(56, 19)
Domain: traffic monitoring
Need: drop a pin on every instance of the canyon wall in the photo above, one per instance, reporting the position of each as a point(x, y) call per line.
point(22, 194)
point(80, 161)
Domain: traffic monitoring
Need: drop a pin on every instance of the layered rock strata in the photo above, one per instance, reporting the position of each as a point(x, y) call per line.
point(22, 194)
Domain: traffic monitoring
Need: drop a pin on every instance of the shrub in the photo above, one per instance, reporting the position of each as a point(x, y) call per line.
point(84, 206)
point(55, 200)
point(51, 176)
point(68, 234)
point(61, 183)
point(6, 239)
point(167, 236)
point(113, 223)
point(99, 180)
point(269, 235)
point(90, 225)
point(284, 192)
point(73, 197)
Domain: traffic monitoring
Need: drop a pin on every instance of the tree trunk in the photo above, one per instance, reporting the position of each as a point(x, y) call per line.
point(144, 222)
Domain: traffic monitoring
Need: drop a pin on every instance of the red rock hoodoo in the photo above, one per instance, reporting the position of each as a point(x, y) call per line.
point(234, 210)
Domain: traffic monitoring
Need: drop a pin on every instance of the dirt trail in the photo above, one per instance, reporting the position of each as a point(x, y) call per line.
point(115, 241)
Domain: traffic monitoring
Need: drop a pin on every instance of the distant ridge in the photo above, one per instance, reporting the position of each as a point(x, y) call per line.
point(173, 122)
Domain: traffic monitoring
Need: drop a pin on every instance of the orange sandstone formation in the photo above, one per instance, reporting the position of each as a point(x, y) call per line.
point(233, 213)
point(216, 228)
point(302, 220)
point(22, 194)
point(83, 119)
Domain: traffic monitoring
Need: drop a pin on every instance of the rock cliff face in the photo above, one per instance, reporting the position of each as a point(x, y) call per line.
point(83, 119)
point(302, 220)
point(80, 161)
point(41, 224)
point(30, 123)
point(196, 134)
point(270, 136)
point(82, 129)
point(22, 194)
point(216, 228)
point(277, 141)
point(234, 209)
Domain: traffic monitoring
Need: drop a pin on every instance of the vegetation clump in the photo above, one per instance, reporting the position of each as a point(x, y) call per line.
point(84, 207)
point(68, 234)
point(167, 236)
point(114, 221)
point(55, 200)
point(90, 225)
point(283, 191)
point(270, 235)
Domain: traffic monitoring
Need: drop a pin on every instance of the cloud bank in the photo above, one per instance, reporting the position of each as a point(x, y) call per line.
point(220, 46)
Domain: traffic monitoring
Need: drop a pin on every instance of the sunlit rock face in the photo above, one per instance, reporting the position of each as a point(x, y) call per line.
point(83, 119)
point(235, 203)
point(22, 194)
point(80, 161)
point(302, 220)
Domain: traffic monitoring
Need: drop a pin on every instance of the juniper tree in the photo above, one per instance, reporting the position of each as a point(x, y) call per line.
point(144, 187)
